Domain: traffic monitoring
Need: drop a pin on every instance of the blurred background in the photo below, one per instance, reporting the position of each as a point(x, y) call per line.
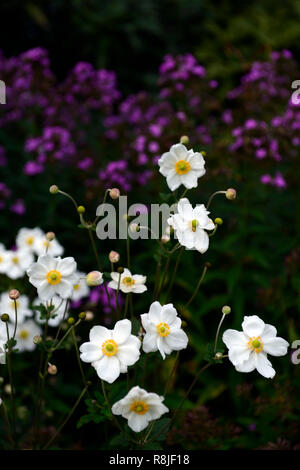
point(96, 91)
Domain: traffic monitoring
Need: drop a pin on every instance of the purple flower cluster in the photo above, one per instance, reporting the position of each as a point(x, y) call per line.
point(98, 297)
point(55, 143)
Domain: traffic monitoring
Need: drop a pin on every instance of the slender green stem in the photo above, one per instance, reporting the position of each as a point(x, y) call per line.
point(16, 319)
point(218, 331)
point(197, 287)
point(54, 348)
point(10, 375)
point(214, 231)
point(99, 263)
point(70, 197)
point(7, 423)
point(212, 196)
point(128, 247)
point(182, 401)
point(157, 277)
point(78, 359)
point(174, 273)
point(171, 374)
point(117, 296)
point(126, 305)
point(159, 290)
point(67, 418)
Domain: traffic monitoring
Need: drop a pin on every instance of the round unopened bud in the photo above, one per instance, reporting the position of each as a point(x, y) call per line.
point(114, 257)
point(134, 228)
point(165, 239)
point(208, 264)
point(231, 193)
point(5, 317)
point(226, 310)
point(50, 236)
point(81, 209)
point(120, 270)
point(71, 321)
point(203, 153)
point(114, 193)
point(218, 356)
point(53, 189)
point(14, 294)
point(52, 369)
point(89, 316)
point(1, 380)
point(184, 139)
point(218, 221)
point(82, 315)
point(37, 339)
point(94, 278)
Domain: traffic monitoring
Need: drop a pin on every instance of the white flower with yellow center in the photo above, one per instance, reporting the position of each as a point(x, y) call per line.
point(44, 246)
point(17, 262)
point(190, 224)
point(248, 349)
point(163, 330)
point(128, 282)
point(4, 259)
point(181, 166)
point(24, 335)
point(29, 238)
point(57, 313)
point(111, 351)
point(139, 408)
point(80, 289)
point(53, 276)
point(8, 306)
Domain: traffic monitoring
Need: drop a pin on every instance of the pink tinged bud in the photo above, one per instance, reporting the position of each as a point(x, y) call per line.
point(231, 193)
point(14, 294)
point(52, 369)
point(50, 236)
point(89, 316)
point(114, 193)
point(53, 189)
point(114, 257)
point(94, 278)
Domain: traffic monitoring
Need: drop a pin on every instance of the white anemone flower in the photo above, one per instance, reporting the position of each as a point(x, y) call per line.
point(24, 335)
point(181, 166)
point(111, 351)
point(44, 246)
point(8, 306)
point(139, 408)
point(3, 341)
point(248, 349)
point(3, 259)
point(17, 262)
point(53, 276)
point(190, 224)
point(128, 282)
point(29, 238)
point(80, 289)
point(163, 330)
point(57, 314)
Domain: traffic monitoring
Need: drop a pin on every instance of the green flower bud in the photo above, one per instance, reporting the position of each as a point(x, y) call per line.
point(218, 221)
point(81, 209)
point(226, 310)
point(5, 317)
point(82, 315)
point(71, 321)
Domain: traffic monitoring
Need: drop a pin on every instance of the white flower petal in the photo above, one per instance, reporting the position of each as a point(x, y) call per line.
point(108, 368)
point(121, 331)
point(99, 334)
point(264, 366)
point(90, 352)
point(276, 346)
point(253, 326)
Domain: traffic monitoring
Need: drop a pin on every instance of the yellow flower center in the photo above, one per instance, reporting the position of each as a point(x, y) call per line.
point(255, 343)
point(182, 167)
point(53, 277)
point(23, 334)
point(109, 347)
point(15, 259)
point(76, 287)
point(194, 225)
point(128, 281)
point(163, 329)
point(1, 259)
point(29, 240)
point(139, 407)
